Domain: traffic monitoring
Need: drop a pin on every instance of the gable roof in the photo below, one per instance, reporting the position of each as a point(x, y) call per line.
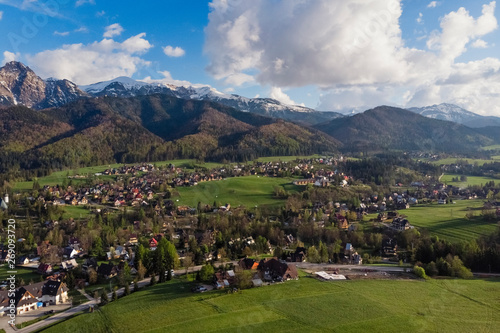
point(53, 288)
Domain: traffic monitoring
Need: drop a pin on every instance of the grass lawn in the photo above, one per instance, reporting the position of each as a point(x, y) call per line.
point(449, 222)
point(77, 297)
point(22, 273)
point(453, 160)
point(285, 158)
point(306, 305)
point(76, 212)
point(247, 191)
point(187, 164)
point(471, 180)
point(493, 147)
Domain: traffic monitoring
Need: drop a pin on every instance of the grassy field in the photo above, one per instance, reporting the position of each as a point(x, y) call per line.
point(471, 180)
point(449, 222)
point(306, 305)
point(247, 191)
point(453, 160)
point(285, 158)
point(22, 273)
point(493, 147)
point(58, 176)
point(187, 164)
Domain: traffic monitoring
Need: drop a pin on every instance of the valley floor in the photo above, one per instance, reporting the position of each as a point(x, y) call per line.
point(306, 305)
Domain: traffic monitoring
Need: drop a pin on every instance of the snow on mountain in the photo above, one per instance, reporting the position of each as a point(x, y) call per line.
point(127, 87)
point(454, 113)
point(126, 82)
point(20, 85)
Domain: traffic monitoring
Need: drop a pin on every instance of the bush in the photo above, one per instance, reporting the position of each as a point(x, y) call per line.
point(431, 269)
point(420, 272)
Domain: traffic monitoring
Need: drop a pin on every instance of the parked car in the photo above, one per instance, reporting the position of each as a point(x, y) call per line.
point(198, 289)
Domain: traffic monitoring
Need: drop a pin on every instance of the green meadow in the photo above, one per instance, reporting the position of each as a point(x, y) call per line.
point(58, 176)
point(247, 191)
point(452, 160)
point(306, 305)
point(471, 180)
point(449, 221)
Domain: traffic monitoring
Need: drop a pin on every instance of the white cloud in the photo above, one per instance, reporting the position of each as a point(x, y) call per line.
point(82, 2)
point(297, 42)
point(63, 33)
point(420, 18)
point(168, 79)
point(278, 94)
point(9, 56)
point(432, 4)
point(113, 30)
point(479, 44)
point(98, 61)
point(101, 13)
point(239, 79)
point(351, 48)
point(1, 15)
point(174, 51)
point(82, 29)
point(459, 27)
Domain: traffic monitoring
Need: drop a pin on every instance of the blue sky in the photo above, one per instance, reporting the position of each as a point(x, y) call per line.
point(332, 55)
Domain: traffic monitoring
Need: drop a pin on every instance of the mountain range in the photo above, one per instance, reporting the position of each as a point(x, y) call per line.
point(20, 85)
point(456, 114)
point(388, 128)
point(102, 130)
point(53, 124)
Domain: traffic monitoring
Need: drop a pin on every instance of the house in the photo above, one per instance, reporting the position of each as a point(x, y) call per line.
point(298, 256)
point(389, 246)
point(69, 264)
point(25, 301)
point(348, 249)
point(107, 270)
point(74, 243)
point(23, 260)
point(277, 270)
point(248, 263)
point(356, 259)
point(54, 292)
point(400, 224)
point(83, 201)
point(44, 269)
point(4, 255)
point(341, 221)
point(69, 252)
point(132, 239)
point(224, 279)
point(153, 243)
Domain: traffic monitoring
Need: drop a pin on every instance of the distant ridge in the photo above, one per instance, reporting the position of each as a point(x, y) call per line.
point(19, 85)
point(388, 128)
point(451, 112)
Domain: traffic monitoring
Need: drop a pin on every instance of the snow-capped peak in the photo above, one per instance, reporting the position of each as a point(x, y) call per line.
point(127, 82)
point(454, 113)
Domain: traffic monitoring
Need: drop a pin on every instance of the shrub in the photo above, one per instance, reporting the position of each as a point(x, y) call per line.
point(420, 272)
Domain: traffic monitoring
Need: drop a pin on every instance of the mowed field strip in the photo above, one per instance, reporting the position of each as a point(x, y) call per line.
point(306, 305)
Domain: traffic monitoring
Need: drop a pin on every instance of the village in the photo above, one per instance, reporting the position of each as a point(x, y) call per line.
point(136, 211)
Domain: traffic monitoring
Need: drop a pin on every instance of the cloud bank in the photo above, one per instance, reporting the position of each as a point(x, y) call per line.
point(98, 61)
point(354, 51)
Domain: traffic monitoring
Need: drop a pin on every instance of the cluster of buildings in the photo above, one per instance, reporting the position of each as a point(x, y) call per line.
point(31, 297)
